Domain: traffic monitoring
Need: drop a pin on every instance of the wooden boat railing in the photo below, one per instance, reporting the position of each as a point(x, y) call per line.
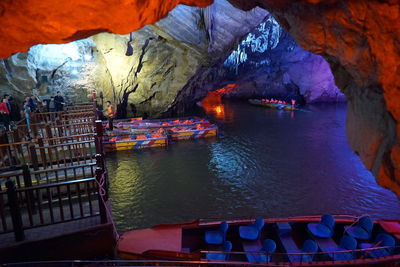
point(48, 204)
point(357, 255)
point(246, 219)
point(80, 263)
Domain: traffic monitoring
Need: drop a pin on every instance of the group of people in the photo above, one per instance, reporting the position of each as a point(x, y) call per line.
point(10, 112)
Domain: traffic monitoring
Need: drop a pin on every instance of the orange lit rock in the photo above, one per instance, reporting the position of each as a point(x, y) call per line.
point(25, 23)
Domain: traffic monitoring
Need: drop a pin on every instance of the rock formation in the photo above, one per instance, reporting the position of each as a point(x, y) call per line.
point(360, 40)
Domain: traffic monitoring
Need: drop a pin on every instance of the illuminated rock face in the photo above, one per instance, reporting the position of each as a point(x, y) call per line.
point(360, 39)
point(75, 69)
point(165, 56)
point(26, 23)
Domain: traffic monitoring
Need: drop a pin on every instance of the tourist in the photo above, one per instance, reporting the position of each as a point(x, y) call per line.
point(7, 98)
point(32, 103)
point(27, 111)
point(59, 101)
point(51, 107)
point(14, 109)
point(109, 112)
point(5, 114)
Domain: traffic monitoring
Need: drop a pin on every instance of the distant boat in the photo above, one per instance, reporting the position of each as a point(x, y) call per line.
point(259, 102)
point(310, 240)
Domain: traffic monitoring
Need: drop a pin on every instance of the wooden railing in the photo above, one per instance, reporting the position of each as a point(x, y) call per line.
point(53, 179)
point(34, 206)
point(46, 155)
point(14, 155)
point(53, 129)
point(28, 177)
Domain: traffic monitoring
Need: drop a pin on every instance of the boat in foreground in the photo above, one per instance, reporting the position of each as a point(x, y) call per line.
point(312, 241)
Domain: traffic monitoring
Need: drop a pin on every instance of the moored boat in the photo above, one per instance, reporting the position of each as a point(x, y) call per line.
point(138, 141)
point(311, 240)
point(160, 123)
point(279, 106)
point(193, 132)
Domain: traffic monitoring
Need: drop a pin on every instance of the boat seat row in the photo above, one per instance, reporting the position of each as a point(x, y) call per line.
point(361, 230)
point(322, 233)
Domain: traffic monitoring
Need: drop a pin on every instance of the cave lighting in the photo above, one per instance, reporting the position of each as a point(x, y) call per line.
point(87, 57)
point(218, 109)
point(74, 72)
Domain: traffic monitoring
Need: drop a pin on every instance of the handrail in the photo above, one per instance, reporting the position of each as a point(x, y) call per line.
point(64, 144)
point(55, 184)
point(129, 263)
point(64, 168)
point(13, 144)
point(298, 253)
point(205, 221)
point(69, 137)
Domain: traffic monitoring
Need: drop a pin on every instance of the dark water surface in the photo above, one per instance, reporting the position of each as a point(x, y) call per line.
point(265, 163)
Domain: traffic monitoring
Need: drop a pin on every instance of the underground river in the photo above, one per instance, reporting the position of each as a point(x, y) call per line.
point(265, 163)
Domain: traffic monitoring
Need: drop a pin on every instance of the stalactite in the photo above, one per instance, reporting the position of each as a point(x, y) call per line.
point(209, 23)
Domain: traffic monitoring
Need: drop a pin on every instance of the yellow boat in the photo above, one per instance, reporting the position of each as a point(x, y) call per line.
point(182, 133)
point(117, 143)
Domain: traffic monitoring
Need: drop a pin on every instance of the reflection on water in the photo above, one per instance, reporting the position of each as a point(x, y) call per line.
point(265, 163)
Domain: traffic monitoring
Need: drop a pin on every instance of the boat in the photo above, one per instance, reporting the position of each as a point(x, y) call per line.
point(134, 135)
point(259, 102)
point(308, 240)
point(192, 132)
point(134, 141)
point(160, 123)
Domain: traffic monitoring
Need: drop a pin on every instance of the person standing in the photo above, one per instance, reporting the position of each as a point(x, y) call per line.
point(59, 101)
point(109, 112)
point(5, 114)
point(32, 103)
point(51, 107)
point(7, 98)
point(27, 113)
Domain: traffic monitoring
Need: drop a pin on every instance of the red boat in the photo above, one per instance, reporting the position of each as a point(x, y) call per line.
point(312, 240)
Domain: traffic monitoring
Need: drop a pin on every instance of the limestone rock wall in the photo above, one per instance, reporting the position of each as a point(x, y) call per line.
point(75, 69)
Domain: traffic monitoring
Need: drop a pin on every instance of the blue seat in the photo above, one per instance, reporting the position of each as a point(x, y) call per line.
point(309, 246)
point(346, 243)
point(381, 240)
point(220, 256)
point(217, 237)
point(269, 246)
point(325, 228)
point(252, 231)
point(362, 229)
